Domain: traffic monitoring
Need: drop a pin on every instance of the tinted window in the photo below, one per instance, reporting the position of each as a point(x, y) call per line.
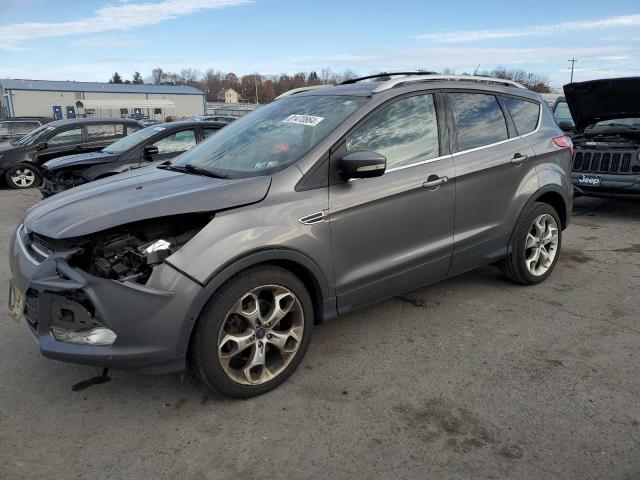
point(478, 119)
point(562, 112)
point(405, 132)
point(177, 142)
point(524, 114)
point(209, 131)
point(22, 128)
point(103, 131)
point(68, 136)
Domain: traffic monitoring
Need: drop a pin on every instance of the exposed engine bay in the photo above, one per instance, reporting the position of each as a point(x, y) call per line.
point(130, 252)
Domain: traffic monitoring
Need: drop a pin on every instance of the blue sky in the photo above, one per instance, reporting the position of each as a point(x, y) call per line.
point(90, 39)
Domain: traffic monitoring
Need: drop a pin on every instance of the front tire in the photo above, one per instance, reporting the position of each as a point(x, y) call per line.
point(535, 246)
point(22, 176)
point(253, 332)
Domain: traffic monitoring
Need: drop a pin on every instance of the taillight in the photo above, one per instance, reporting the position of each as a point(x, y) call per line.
point(564, 142)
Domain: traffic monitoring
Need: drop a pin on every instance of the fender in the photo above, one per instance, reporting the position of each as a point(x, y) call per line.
point(553, 188)
point(325, 300)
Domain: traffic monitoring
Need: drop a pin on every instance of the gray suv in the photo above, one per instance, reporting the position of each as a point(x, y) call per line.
point(325, 200)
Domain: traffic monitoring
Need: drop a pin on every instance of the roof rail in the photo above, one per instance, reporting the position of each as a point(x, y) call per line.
point(300, 90)
point(460, 78)
point(383, 74)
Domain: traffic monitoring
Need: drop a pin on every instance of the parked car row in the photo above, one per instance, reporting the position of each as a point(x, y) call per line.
point(321, 202)
point(13, 128)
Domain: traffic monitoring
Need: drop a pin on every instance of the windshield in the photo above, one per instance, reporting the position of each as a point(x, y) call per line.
point(132, 140)
point(272, 137)
point(30, 138)
point(631, 122)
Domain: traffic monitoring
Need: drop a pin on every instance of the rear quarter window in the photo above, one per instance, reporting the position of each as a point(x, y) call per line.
point(525, 114)
point(478, 119)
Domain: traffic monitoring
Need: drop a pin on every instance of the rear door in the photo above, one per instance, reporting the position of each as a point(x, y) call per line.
point(393, 233)
point(495, 176)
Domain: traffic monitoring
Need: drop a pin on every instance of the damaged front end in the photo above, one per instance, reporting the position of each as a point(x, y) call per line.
point(104, 299)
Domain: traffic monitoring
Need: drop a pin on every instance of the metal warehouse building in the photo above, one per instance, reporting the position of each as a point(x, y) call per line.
point(44, 98)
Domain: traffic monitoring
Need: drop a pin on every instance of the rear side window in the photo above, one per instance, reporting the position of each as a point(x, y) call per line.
point(132, 128)
point(104, 131)
point(405, 132)
point(524, 114)
point(478, 119)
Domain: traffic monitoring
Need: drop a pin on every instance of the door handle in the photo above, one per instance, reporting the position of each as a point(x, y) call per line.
point(518, 158)
point(434, 182)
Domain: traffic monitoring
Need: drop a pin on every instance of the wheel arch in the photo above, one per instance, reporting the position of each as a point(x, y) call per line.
point(294, 261)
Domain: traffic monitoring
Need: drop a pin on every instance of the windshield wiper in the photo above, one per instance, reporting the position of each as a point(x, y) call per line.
point(188, 168)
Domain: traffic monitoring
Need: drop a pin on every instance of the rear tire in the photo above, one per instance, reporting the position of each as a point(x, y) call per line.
point(243, 346)
point(535, 246)
point(22, 176)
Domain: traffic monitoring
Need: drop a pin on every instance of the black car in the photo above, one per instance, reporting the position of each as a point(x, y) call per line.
point(607, 139)
point(20, 160)
point(151, 144)
point(16, 127)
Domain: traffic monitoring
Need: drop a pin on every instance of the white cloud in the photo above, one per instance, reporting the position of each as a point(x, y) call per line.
point(109, 41)
point(536, 30)
point(122, 16)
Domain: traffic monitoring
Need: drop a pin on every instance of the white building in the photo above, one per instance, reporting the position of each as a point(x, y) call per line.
point(228, 95)
point(44, 98)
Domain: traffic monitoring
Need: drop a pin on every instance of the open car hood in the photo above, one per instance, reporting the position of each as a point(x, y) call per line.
point(606, 99)
point(138, 195)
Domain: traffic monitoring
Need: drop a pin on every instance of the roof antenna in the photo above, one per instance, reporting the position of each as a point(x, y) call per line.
point(476, 70)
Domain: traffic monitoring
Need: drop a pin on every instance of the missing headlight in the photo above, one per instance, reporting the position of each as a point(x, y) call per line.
point(130, 252)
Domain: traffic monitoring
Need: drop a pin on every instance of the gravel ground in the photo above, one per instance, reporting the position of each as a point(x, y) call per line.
point(470, 378)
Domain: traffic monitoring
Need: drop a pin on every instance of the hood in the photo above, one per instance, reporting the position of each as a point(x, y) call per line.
point(138, 195)
point(7, 146)
point(92, 158)
point(599, 100)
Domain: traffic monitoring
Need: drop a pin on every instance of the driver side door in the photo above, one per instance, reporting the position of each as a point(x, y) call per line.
point(393, 233)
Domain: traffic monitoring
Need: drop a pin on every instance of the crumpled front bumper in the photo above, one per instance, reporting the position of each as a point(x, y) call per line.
point(50, 186)
point(147, 319)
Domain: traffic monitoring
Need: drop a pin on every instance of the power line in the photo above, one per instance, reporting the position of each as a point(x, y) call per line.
point(573, 61)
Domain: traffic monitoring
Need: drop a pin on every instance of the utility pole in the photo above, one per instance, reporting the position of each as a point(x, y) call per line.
point(573, 61)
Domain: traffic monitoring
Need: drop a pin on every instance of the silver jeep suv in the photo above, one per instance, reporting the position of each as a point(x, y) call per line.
point(326, 200)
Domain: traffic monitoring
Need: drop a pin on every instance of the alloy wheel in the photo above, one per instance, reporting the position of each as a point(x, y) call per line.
point(23, 177)
point(260, 335)
point(541, 245)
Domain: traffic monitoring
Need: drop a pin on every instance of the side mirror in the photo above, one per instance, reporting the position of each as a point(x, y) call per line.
point(41, 146)
point(149, 151)
point(566, 125)
point(363, 164)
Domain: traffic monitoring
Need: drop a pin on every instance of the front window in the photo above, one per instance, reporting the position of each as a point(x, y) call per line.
point(4, 128)
point(405, 132)
point(31, 138)
point(273, 137)
point(133, 140)
point(67, 136)
point(177, 142)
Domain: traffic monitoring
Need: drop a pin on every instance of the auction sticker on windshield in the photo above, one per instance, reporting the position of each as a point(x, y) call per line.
point(308, 120)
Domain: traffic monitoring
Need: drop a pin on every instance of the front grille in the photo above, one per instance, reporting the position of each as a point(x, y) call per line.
point(604, 162)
